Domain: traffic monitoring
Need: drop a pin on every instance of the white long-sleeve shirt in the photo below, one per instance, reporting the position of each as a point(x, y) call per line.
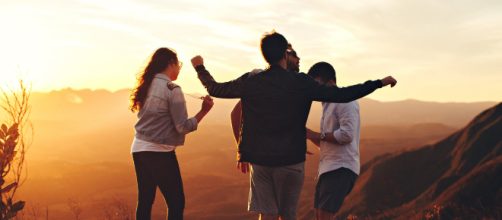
point(343, 121)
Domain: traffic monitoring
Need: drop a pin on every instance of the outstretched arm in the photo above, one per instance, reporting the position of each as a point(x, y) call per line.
point(326, 93)
point(231, 89)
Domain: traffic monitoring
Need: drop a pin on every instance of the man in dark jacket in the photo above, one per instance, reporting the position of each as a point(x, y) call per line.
point(275, 107)
point(293, 65)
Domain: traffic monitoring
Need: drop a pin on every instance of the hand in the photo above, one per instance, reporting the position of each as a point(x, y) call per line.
point(197, 60)
point(310, 152)
point(243, 167)
point(312, 135)
point(207, 104)
point(389, 80)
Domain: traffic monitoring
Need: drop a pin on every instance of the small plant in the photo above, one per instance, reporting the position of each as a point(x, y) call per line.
point(12, 148)
point(118, 209)
point(433, 212)
point(75, 208)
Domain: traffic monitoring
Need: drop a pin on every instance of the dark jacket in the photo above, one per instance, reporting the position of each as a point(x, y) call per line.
point(275, 107)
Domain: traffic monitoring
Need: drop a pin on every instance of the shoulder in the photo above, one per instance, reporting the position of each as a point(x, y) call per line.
point(255, 72)
point(175, 93)
point(304, 77)
point(172, 86)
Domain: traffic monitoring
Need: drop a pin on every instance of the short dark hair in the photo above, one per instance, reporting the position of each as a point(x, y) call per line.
point(322, 70)
point(273, 46)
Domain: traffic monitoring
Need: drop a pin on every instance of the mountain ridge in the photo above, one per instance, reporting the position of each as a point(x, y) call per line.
point(434, 175)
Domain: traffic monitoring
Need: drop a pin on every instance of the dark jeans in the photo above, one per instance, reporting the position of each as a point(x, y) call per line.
point(158, 169)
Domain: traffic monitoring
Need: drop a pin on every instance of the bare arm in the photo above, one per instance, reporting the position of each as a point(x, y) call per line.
point(314, 137)
point(207, 104)
point(236, 118)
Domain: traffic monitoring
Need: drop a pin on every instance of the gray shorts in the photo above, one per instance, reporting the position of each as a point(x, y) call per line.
point(276, 190)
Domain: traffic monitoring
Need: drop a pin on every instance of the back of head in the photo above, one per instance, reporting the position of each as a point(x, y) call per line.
point(159, 61)
point(273, 47)
point(322, 70)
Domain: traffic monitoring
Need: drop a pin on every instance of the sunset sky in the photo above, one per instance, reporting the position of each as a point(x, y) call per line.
point(438, 50)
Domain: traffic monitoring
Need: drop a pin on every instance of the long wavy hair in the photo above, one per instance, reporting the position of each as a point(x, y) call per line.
point(160, 60)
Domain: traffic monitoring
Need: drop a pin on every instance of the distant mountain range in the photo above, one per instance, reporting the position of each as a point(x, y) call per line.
point(458, 177)
point(103, 105)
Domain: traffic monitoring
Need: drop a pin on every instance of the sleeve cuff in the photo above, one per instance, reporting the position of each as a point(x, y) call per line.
point(195, 123)
point(379, 83)
point(200, 68)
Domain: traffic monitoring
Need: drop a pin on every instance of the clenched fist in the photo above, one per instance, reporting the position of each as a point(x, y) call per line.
point(207, 104)
point(197, 60)
point(389, 80)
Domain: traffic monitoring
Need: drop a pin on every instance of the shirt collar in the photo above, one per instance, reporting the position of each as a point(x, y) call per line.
point(162, 76)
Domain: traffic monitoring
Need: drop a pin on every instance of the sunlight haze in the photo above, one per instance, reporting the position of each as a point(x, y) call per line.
point(438, 51)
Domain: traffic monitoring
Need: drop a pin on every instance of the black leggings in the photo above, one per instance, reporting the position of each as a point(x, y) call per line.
point(158, 169)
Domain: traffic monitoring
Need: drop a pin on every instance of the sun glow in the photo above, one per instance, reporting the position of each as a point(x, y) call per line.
point(104, 44)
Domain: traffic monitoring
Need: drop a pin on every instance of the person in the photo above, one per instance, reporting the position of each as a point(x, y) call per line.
point(339, 147)
point(161, 128)
point(275, 107)
point(293, 65)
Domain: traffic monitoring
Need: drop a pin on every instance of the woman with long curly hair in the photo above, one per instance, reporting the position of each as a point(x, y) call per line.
point(161, 127)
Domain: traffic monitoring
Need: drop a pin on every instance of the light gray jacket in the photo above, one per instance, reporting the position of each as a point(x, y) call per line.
point(163, 119)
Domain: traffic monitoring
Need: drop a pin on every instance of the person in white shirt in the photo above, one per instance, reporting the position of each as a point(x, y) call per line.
point(338, 141)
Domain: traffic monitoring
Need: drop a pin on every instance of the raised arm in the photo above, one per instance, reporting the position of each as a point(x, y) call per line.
point(231, 89)
point(326, 93)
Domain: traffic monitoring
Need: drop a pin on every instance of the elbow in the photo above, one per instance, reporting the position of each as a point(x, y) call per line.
point(213, 92)
point(186, 128)
point(344, 137)
point(211, 88)
point(181, 130)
